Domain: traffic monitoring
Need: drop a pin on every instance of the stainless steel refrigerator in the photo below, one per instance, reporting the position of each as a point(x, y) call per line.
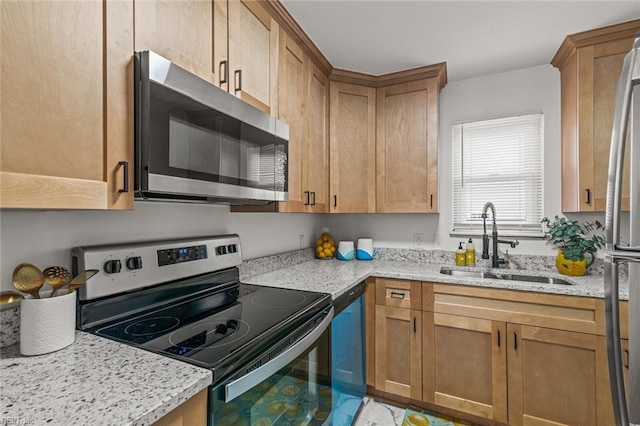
point(627, 113)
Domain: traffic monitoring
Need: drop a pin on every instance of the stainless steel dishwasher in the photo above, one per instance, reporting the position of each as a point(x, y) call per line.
point(348, 356)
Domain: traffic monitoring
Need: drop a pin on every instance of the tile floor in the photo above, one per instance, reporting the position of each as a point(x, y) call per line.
point(376, 413)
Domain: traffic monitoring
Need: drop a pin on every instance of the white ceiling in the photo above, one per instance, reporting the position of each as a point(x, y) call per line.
point(474, 37)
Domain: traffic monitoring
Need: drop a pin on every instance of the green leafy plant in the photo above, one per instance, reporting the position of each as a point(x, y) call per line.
point(574, 239)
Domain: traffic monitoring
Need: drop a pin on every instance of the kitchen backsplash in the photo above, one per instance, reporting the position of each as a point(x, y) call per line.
point(10, 318)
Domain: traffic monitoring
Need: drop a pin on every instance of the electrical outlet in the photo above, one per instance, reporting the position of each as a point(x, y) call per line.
point(301, 236)
point(418, 240)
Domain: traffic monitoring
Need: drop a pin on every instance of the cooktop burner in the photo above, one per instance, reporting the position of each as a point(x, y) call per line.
point(274, 301)
point(151, 326)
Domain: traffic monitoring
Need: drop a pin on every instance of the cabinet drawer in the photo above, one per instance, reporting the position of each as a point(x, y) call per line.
point(398, 293)
point(570, 313)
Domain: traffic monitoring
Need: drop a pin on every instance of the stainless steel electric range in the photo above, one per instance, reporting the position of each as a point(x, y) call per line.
point(268, 348)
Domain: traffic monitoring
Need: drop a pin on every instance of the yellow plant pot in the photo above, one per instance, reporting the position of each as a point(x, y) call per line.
point(570, 267)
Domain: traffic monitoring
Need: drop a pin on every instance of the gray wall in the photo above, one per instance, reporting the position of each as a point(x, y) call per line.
point(45, 237)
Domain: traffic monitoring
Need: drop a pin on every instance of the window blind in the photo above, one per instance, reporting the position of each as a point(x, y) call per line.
point(499, 160)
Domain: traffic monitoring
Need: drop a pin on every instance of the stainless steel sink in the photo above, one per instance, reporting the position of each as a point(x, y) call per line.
point(505, 276)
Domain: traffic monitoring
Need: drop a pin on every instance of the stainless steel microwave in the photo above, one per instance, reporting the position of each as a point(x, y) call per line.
point(196, 142)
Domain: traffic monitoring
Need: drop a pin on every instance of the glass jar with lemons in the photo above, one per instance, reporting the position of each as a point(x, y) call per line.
point(325, 246)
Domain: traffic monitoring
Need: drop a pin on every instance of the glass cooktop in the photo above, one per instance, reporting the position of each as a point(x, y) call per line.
point(220, 327)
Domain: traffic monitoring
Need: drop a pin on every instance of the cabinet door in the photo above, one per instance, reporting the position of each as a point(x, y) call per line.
point(63, 132)
point(589, 77)
point(407, 147)
point(398, 351)
point(291, 107)
point(181, 31)
point(465, 365)
point(316, 121)
point(352, 158)
point(192, 412)
point(553, 377)
point(253, 54)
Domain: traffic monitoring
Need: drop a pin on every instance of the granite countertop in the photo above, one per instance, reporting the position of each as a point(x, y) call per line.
point(336, 277)
point(94, 381)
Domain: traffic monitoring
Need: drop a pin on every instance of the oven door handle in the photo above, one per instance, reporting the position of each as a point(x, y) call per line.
point(242, 384)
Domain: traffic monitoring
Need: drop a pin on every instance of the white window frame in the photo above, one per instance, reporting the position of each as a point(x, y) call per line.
point(469, 223)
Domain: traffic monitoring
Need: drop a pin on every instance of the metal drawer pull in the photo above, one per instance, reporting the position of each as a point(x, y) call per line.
point(306, 194)
point(313, 194)
point(397, 295)
point(626, 359)
point(515, 341)
point(498, 338)
point(588, 196)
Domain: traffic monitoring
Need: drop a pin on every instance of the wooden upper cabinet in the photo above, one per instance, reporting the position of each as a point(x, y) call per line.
point(66, 105)
point(352, 159)
point(253, 54)
point(590, 64)
point(407, 147)
point(291, 94)
point(181, 31)
point(316, 121)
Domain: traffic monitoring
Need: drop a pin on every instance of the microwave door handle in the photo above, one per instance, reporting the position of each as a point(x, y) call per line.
point(616, 156)
point(242, 384)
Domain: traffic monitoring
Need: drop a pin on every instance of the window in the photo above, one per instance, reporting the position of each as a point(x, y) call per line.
point(499, 160)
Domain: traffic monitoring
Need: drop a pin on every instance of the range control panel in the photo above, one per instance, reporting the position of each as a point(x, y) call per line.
point(183, 254)
point(126, 267)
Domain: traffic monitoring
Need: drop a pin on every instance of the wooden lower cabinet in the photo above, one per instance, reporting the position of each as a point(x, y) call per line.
point(192, 412)
point(556, 377)
point(464, 364)
point(398, 351)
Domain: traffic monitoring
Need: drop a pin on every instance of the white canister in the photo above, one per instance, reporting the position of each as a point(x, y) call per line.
point(346, 251)
point(47, 325)
point(365, 249)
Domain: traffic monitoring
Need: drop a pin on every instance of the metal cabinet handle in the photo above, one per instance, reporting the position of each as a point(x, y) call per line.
point(626, 359)
point(397, 294)
point(588, 196)
point(498, 338)
point(431, 200)
point(306, 194)
point(415, 325)
point(335, 201)
point(313, 195)
point(224, 77)
point(125, 186)
point(515, 341)
point(238, 77)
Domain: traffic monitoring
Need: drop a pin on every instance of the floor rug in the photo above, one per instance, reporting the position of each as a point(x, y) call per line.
point(427, 418)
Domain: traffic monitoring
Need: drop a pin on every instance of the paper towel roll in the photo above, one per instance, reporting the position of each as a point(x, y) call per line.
point(47, 325)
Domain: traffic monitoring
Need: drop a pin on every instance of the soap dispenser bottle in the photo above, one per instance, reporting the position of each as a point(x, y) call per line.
point(471, 253)
point(460, 256)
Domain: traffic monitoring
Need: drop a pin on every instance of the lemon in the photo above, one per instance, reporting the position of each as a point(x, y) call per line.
point(319, 248)
point(321, 255)
point(333, 249)
point(319, 242)
point(326, 245)
point(418, 419)
point(327, 252)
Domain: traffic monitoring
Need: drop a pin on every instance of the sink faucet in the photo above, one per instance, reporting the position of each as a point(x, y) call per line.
point(495, 260)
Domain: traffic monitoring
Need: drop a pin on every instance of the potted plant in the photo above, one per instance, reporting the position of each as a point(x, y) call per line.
point(574, 240)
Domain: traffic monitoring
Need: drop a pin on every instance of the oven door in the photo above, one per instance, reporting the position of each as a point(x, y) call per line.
point(293, 387)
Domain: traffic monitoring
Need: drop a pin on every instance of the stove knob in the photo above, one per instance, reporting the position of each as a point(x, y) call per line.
point(221, 250)
point(134, 263)
point(221, 328)
point(112, 266)
point(232, 248)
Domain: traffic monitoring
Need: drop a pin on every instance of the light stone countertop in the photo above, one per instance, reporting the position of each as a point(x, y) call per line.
point(336, 277)
point(94, 381)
